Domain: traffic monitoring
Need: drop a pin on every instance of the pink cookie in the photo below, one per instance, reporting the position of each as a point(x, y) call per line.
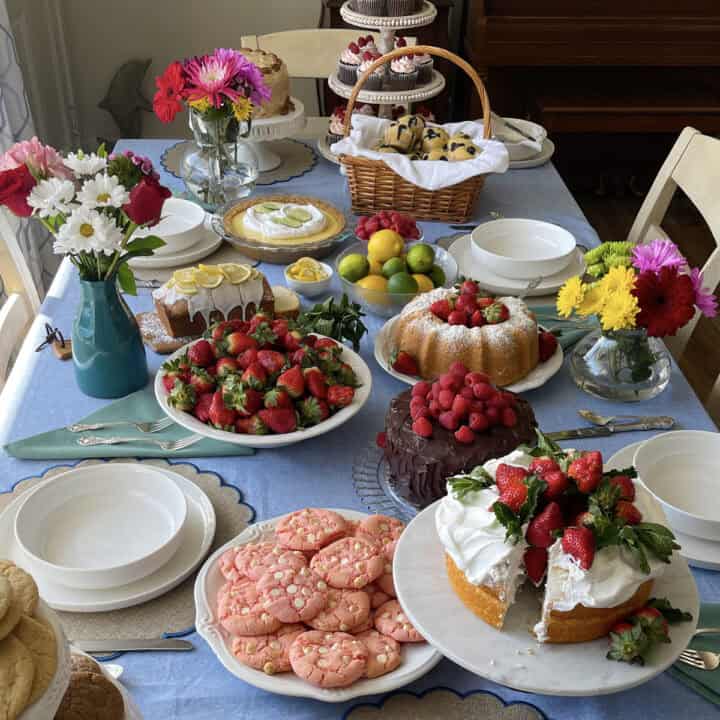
point(351, 527)
point(378, 597)
point(369, 624)
point(226, 562)
point(384, 530)
point(269, 653)
point(390, 619)
point(328, 660)
point(241, 611)
point(255, 559)
point(346, 609)
point(349, 563)
point(383, 653)
point(292, 595)
point(309, 529)
point(385, 582)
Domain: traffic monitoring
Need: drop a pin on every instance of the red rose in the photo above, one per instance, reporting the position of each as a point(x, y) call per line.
point(15, 186)
point(146, 201)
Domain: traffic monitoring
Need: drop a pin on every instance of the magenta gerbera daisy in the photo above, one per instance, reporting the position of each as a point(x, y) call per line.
point(705, 301)
point(656, 255)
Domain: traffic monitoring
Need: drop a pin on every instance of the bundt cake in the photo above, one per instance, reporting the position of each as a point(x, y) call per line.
point(495, 336)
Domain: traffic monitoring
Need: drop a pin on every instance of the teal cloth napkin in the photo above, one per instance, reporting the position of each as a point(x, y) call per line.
point(705, 682)
point(61, 444)
point(568, 332)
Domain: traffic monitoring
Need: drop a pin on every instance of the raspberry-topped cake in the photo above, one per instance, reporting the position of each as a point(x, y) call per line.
point(450, 426)
point(495, 336)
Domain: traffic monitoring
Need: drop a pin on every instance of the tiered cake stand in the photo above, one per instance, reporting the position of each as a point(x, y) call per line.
point(264, 130)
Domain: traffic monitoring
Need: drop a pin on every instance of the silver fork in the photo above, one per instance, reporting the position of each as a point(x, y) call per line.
point(701, 659)
point(146, 427)
point(167, 445)
point(530, 287)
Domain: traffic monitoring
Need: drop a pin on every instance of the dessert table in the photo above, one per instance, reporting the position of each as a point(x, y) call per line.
point(194, 685)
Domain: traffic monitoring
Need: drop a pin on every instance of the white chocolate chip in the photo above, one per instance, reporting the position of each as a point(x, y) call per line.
point(299, 603)
point(292, 589)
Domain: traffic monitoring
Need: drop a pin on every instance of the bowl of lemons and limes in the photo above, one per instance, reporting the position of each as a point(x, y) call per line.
point(384, 274)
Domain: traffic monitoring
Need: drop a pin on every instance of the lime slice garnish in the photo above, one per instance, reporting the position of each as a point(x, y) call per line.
point(267, 207)
point(287, 221)
point(299, 214)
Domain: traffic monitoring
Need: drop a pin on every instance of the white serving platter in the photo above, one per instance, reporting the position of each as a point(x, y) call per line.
point(418, 658)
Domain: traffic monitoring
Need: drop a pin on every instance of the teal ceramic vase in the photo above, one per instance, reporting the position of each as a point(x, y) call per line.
point(108, 352)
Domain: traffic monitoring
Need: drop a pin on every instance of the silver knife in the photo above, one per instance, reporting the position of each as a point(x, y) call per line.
point(139, 645)
point(658, 423)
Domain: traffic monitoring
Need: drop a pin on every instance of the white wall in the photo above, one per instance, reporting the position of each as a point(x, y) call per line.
point(102, 34)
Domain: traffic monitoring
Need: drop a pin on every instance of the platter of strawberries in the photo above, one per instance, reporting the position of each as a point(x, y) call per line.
point(262, 384)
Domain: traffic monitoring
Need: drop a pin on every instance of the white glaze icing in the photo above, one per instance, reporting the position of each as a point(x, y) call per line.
point(263, 224)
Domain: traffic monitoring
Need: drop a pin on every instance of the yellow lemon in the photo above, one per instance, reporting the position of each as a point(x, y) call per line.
point(385, 244)
point(373, 282)
point(208, 277)
point(375, 267)
point(234, 272)
point(424, 282)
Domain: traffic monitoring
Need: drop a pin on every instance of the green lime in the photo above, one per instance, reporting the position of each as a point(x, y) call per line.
point(298, 214)
point(402, 284)
point(437, 275)
point(353, 267)
point(392, 266)
point(287, 222)
point(420, 258)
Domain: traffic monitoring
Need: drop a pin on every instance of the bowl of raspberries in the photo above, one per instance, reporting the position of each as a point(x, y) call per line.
point(261, 383)
point(403, 225)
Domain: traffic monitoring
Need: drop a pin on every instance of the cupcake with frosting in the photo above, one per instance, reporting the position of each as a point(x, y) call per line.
point(367, 44)
point(378, 8)
point(403, 73)
point(425, 113)
point(375, 81)
point(336, 128)
point(348, 63)
point(424, 64)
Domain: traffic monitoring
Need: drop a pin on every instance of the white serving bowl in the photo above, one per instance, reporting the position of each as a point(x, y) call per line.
point(311, 288)
point(522, 249)
point(681, 469)
point(519, 149)
point(180, 226)
point(101, 526)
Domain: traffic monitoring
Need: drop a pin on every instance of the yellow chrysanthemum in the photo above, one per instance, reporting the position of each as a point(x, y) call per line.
point(592, 302)
point(242, 109)
point(619, 311)
point(570, 296)
point(618, 280)
point(201, 104)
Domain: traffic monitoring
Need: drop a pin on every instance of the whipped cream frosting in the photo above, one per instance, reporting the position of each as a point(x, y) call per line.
point(348, 57)
point(265, 225)
point(365, 64)
point(403, 65)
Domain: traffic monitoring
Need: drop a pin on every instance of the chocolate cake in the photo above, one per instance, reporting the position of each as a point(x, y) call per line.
point(419, 466)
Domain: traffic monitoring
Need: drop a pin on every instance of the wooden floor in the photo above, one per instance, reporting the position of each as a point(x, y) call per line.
point(612, 215)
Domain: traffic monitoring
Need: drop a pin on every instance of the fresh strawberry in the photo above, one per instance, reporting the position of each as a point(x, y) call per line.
point(465, 435)
point(484, 302)
point(478, 422)
point(310, 340)
point(626, 485)
point(345, 375)
point(272, 361)
point(354, 48)
point(403, 362)
point(178, 369)
point(340, 396)
point(279, 420)
point(579, 542)
point(277, 398)
point(547, 344)
point(514, 495)
point(226, 366)
point(246, 359)
point(496, 313)
point(220, 416)
point(201, 380)
point(226, 327)
point(313, 410)
point(477, 319)
point(182, 396)
point(457, 317)
point(327, 343)
point(291, 340)
point(507, 475)
point(299, 357)
point(543, 525)
point(586, 471)
point(421, 388)
point(169, 382)
point(201, 354)
point(469, 287)
point(239, 396)
point(466, 303)
point(280, 327)
point(262, 333)
point(202, 408)
point(422, 427)
point(257, 320)
point(441, 309)
point(557, 483)
point(540, 466)
point(628, 643)
point(255, 376)
point(536, 559)
point(654, 624)
point(381, 440)
point(252, 425)
point(237, 342)
point(292, 380)
point(628, 512)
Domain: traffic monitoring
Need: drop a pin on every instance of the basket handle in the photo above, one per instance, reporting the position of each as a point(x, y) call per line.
point(422, 50)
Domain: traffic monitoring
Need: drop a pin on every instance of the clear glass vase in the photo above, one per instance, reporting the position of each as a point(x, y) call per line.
point(624, 365)
point(220, 168)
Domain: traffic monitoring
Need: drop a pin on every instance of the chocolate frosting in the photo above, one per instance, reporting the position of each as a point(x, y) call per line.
point(419, 467)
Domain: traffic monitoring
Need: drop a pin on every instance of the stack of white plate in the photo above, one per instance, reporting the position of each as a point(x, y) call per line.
point(523, 152)
point(108, 536)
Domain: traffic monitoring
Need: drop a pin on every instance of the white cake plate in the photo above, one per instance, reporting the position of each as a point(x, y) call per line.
point(278, 127)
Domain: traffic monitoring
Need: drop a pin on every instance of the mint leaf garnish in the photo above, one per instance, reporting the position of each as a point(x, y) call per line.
point(671, 614)
point(478, 479)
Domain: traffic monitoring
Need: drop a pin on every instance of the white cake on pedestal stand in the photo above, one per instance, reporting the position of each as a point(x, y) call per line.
point(278, 127)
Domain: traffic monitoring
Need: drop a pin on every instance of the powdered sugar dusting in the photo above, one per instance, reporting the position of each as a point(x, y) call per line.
point(154, 331)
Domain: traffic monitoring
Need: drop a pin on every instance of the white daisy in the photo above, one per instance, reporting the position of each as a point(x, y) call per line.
point(52, 196)
point(103, 191)
point(82, 164)
point(87, 230)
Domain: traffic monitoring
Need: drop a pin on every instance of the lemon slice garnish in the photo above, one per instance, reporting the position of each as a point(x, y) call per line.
point(208, 277)
point(187, 288)
point(170, 283)
point(235, 273)
point(186, 275)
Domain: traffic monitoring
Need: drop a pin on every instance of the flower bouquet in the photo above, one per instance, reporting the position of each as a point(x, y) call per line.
point(220, 90)
point(92, 203)
point(636, 293)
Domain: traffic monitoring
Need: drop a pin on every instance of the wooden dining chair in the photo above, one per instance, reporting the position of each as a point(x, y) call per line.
point(693, 165)
point(21, 299)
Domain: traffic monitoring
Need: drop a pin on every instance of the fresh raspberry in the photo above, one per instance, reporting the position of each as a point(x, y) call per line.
point(421, 388)
point(435, 409)
point(419, 411)
point(449, 420)
point(457, 368)
point(509, 418)
point(465, 435)
point(461, 406)
point(467, 393)
point(478, 422)
point(493, 415)
point(450, 381)
point(422, 427)
point(483, 391)
point(446, 399)
point(473, 378)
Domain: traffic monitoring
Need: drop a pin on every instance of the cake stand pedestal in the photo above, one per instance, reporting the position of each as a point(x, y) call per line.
point(279, 127)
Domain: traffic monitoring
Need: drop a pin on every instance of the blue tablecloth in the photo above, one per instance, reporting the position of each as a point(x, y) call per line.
point(195, 686)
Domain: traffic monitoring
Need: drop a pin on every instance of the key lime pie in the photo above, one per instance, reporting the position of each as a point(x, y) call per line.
point(196, 297)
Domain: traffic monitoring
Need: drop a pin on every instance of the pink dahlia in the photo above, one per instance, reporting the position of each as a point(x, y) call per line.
point(705, 301)
point(656, 255)
point(43, 161)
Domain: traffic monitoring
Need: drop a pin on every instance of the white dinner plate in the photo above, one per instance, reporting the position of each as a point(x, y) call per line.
point(546, 152)
point(512, 656)
point(488, 280)
point(418, 658)
point(207, 243)
point(197, 536)
point(698, 552)
point(534, 379)
point(190, 422)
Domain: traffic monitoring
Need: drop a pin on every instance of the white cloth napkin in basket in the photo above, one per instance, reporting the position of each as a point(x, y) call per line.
point(367, 132)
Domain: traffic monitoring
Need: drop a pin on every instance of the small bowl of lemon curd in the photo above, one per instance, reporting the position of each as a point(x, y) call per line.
point(309, 277)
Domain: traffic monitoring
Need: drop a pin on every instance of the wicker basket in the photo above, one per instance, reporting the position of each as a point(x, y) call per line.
point(374, 186)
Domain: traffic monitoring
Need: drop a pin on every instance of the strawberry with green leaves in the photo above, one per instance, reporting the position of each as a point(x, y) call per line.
point(292, 381)
point(201, 380)
point(220, 416)
point(579, 543)
point(277, 398)
point(628, 643)
point(315, 382)
point(536, 560)
point(178, 369)
point(279, 420)
point(252, 425)
point(587, 471)
point(224, 328)
point(403, 362)
point(237, 343)
point(202, 407)
point(255, 376)
point(313, 410)
point(291, 340)
point(226, 366)
point(654, 624)
point(271, 360)
point(263, 335)
point(182, 396)
point(340, 396)
point(201, 354)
